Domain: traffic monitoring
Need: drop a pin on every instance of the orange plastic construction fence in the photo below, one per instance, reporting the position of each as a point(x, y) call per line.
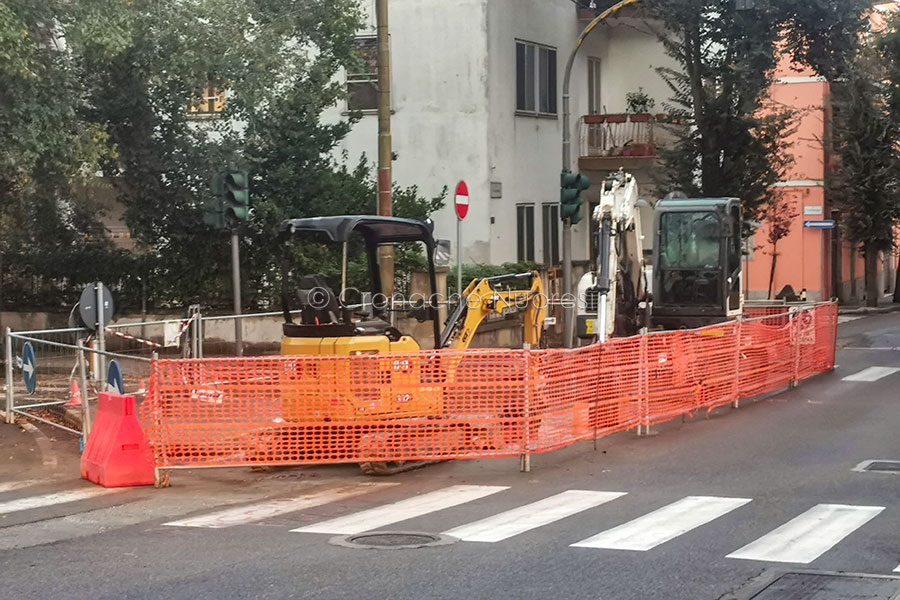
point(471, 404)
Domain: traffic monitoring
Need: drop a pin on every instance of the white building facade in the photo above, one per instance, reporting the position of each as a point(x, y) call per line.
point(477, 96)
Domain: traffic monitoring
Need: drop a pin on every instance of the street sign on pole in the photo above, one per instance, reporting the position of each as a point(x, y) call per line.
point(28, 370)
point(114, 378)
point(87, 306)
point(461, 202)
point(823, 224)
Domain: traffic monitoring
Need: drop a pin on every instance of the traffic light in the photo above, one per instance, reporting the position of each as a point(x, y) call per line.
point(570, 200)
point(237, 195)
point(230, 200)
point(214, 212)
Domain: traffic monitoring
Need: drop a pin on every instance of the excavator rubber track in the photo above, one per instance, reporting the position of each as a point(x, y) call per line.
point(393, 467)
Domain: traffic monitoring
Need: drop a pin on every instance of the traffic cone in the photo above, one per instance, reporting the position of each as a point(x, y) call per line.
point(74, 395)
point(143, 387)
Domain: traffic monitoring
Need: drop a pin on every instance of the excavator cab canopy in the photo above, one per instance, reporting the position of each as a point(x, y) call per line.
point(319, 305)
point(697, 261)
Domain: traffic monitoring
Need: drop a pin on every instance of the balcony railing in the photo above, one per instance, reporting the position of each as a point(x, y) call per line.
point(619, 135)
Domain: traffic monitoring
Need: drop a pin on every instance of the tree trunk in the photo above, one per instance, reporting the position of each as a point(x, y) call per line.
point(772, 272)
point(873, 293)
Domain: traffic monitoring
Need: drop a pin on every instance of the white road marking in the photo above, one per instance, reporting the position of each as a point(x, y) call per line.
point(806, 537)
point(241, 515)
point(872, 374)
point(848, 318)
point(897, 570)
point(525, 518)
point(50, 499)
point(15, 485)
point(403, 510)
point(667, 523)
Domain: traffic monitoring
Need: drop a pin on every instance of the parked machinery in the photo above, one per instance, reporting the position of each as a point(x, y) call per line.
point(329, 326)
point(685, 272)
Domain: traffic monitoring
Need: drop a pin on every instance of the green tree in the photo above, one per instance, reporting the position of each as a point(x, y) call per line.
point(50, 239)
point(866, 140)
point(276, 62)
point(731, 139)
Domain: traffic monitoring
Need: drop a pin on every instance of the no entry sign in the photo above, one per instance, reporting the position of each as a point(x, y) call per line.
point(462, 200)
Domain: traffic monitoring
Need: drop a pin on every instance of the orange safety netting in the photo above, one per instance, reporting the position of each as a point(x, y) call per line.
point(476, 403)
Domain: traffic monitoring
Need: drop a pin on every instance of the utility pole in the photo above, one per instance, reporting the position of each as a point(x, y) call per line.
point(385, 150)
point(569, 310)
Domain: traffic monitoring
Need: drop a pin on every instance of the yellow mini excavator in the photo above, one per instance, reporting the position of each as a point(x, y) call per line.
point(330, 327)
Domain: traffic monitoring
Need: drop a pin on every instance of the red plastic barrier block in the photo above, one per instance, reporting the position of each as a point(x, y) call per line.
point(117, 454)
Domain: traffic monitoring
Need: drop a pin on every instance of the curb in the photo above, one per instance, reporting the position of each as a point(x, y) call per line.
point(868, 310)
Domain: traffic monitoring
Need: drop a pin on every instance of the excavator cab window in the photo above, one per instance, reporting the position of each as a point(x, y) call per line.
point(690, 258)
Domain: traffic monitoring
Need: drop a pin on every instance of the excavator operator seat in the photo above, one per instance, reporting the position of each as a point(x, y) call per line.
point(318, 304)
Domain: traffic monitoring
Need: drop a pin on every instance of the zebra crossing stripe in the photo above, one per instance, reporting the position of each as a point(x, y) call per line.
point(45, 500)
point(664, 524)
point(525, 518)
point(806, 537)
point(403, 510)
point(241, 515)
point(872, 374)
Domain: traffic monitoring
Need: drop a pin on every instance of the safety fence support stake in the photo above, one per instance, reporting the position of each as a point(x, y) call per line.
point(795, 349)
point(737, 362)
point(525, 460)
point(643, 428)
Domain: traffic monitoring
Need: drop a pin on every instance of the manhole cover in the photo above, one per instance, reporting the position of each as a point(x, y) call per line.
point(878, 466)
point(392, 540)
point(829, 586)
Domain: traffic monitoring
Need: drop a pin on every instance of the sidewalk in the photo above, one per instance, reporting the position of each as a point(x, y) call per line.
point(886, 305)
point(31, 452)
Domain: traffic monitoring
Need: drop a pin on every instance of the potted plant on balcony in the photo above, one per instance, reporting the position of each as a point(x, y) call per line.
point(640, 105)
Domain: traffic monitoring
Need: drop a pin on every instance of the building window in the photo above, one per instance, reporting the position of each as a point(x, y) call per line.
point(362, 79)
point(210, 103)
point(595, 106)
point(535, 79)
point(525, 232)
point(550, 218)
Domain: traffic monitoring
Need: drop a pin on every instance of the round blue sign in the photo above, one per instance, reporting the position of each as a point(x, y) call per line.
point(28, 369)
point(114, 378)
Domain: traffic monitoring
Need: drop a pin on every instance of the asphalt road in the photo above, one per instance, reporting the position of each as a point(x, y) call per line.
point(744, 495)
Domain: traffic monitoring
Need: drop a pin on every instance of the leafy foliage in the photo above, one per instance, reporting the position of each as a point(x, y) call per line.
point(731, 139)
point(277, 63)
point(866, 140)
point(50, 240)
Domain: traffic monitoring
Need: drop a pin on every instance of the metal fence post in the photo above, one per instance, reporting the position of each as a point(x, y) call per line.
point(85, 395)
point(200, 333)
point(100, 375)
point(9, 377)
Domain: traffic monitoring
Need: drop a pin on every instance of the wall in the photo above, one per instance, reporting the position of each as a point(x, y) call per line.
point(804, 255)
point(439, 121)
point(525, 151)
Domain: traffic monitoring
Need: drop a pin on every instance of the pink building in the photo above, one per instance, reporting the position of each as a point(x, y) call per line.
point(816, 260)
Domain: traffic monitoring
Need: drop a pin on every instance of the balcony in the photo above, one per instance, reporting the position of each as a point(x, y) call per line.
point(630, 141)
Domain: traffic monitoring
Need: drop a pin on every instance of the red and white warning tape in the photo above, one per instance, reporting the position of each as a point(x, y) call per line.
point(184, 326)
point(136, 339)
